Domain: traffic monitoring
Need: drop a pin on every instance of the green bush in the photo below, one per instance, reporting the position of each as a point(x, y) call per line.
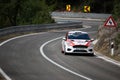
point(117, 41)
point(24, 12)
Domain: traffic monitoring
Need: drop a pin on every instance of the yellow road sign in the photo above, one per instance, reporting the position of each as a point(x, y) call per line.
point(68, 7)
point(86, 8)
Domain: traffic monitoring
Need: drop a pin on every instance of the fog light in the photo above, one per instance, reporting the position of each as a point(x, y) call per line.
point(69, 49)
point(90, 50)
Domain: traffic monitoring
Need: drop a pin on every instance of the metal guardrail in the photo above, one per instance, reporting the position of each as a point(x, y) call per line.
point(38, 28)
point(65, 17)
point(80, 15)
point(44, 27)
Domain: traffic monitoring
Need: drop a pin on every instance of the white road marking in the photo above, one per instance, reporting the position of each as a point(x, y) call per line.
point(79, 19)
point(8, 78)
point(60, 66)
point(105, 58)
point(4, 42)
point(1, 44)
point(5, 75)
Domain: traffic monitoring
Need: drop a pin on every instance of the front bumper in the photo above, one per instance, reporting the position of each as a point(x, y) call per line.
point(85, 50)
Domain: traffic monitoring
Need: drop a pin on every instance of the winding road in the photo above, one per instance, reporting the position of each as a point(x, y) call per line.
point(38, 57)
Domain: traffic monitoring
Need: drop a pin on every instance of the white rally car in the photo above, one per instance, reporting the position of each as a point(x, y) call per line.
point(77, 42)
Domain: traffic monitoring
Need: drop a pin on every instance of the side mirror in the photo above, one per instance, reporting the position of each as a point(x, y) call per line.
point(92, 40)
point(64, 38)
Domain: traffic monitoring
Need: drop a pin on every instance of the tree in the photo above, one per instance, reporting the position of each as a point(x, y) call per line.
point(97, 6)
point(34, 12)
point(52, 4)
point(24, 12)
point(8, 12)
point(116, 10)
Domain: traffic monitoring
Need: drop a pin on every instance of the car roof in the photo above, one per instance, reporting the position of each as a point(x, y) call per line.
point(82, 32)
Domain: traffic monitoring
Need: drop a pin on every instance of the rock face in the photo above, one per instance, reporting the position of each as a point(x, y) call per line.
point(105, 37)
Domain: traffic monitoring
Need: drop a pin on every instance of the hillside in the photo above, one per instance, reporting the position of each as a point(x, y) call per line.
point(105, 36)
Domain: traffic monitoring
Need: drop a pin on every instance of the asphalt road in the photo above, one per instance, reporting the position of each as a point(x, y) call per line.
point(21, 59)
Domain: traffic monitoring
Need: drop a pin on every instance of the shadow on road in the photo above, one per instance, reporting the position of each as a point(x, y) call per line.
point(78, 54)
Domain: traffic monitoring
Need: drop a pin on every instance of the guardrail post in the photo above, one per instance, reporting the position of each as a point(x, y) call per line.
point(112, 48)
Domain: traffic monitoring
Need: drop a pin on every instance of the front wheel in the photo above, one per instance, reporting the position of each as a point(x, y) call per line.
point(92, 54)
point(64, 52)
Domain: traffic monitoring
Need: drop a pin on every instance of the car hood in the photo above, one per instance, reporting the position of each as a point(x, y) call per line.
point(79, 42)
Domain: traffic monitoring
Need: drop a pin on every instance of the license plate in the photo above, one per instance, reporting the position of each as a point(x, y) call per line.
point(79, 49)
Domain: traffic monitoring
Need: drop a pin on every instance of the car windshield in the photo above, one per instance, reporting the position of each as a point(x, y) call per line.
point(78, 36)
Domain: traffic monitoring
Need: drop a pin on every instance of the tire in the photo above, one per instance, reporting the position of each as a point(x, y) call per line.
point(62, 51)
point(65, 53)
point(92, 54)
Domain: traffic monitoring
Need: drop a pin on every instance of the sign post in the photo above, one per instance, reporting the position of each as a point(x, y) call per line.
point(110, 23)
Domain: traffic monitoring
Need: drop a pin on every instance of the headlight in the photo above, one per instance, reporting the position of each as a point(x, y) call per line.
point(69, 44)
point(91, 45)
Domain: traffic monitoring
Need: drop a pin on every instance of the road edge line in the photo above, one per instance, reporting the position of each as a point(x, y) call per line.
point(4, 75)
point(58, 65)
point(104, 57)
point(108, 59)
point(2, 43)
